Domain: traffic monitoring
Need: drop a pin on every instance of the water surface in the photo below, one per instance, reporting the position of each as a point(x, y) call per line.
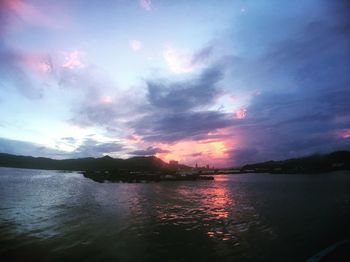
point(54, 216)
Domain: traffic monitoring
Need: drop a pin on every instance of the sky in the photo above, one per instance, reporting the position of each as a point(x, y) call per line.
point(212, 82)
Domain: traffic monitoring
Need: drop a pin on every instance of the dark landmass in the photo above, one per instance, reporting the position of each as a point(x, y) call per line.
point(130, 177)
point(339, 160)
point(106, 163)
point(135, 169)
point(115, 168)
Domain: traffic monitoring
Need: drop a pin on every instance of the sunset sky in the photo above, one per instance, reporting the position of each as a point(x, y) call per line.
point(209, 82)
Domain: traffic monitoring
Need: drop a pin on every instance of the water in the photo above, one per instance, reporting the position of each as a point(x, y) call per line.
point(53, 216)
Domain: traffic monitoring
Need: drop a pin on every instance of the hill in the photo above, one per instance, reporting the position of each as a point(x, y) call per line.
point(339, 160)
point(150, 163)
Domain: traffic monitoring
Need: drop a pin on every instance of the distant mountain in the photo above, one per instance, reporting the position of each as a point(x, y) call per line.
point(339, 160)
point(150, 163)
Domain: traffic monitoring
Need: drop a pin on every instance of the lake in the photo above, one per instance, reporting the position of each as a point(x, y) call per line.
point(55, 216)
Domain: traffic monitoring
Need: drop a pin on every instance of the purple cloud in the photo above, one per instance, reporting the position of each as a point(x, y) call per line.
point(149, 151)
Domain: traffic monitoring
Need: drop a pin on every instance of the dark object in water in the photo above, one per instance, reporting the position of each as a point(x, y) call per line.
point(102, 176)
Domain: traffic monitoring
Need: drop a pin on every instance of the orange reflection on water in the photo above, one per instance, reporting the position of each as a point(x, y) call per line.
point(219, 207)
point(219, 202)
point(209, 208)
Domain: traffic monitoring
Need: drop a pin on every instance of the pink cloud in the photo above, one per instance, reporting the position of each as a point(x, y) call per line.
point(38, 63)
point(135, 45)
point(21, 13)
point(41, 67)
point(241, 113)
point(344, 133)
point(146, 4)
point(73, 60)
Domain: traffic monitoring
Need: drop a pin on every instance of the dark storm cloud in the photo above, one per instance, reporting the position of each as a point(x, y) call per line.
point(168, 128)
point(178, 111)
point(183, 96)
point(149, 151)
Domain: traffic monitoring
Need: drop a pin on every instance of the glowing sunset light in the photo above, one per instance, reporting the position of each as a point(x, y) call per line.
point(219, 148)
point(201, 152)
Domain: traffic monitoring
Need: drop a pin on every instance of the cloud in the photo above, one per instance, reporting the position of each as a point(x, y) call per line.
point(300, 73)
point(197, 154)
point(15, 68)
point(179, 62)
point(182, 62)
point(202, 55)
point(292, 74)
point(69, 140)
point(241, 113)
point(29, 72)
point(172, 127)
point(135, 45)
point(111, 112)
point(17, 147)
point(73, 60)
point(182, 96)
point(95, 114)
point(89, 148)
point(149, 151)
point(243, 155)
point(146, 4)
point(16, 15)
point(94, 148)
point(179, 110)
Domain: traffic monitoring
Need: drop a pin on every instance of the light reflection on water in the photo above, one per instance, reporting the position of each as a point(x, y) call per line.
point(45, 215)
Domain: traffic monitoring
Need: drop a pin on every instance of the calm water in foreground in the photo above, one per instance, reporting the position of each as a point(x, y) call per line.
point(52, 216)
